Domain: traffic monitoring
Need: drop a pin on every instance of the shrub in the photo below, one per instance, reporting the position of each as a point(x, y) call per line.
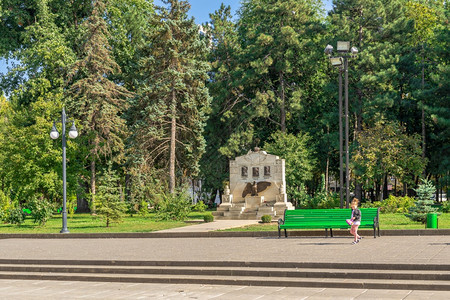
point(446, 206)
point(41, 210)
point(392, 204)
point(109, 205)
point(266, 219)
point(208, 218)
point(16, 216)
point(174, 206)
point(330, 200)
point(143, 208)
point(199, 206)
point(425, 193)
point(4, 206)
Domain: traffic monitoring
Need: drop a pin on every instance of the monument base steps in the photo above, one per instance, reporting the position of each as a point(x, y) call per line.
point(307, 274)
point(240, 212)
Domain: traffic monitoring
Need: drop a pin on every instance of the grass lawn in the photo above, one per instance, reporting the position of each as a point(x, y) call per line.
point(387, 221)
point(86, 223)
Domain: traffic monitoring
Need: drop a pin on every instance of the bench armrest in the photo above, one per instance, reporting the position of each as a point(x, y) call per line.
point(280, 222)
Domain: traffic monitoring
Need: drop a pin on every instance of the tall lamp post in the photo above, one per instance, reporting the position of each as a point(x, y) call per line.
point(341, 61)
point(54, 134)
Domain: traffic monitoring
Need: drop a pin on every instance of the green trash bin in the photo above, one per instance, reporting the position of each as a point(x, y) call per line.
point(432, 221)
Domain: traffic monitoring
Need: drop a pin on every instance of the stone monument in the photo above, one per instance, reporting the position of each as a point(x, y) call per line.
point(257, 187)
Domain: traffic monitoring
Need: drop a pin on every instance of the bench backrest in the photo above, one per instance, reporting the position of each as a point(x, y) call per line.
point(328, 215)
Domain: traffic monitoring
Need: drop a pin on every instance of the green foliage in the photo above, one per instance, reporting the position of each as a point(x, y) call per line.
point(94, 98)
point(169, 113)
point(319, 200)
point(15, 215)
point(386, 149)
point(4, 206)
point(109, 204)
point(208, 218)
point(200, 206)
point(298, 154)
point(173, 206)
point(266, 73)
point(392, 204)
point(425, 193)
point(446, 207)
point(329, 200)
point(266, 219)
point(41, 210)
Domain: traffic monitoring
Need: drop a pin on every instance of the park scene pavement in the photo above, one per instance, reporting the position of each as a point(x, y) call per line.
point(428, 255)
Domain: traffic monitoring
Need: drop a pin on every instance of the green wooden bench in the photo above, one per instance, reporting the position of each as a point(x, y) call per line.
point(327, 219)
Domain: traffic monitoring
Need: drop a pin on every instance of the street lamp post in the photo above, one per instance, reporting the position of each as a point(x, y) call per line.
point(341, 61)
point(54, 134)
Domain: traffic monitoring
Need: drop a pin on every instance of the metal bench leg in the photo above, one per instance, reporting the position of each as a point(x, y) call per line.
point(285, 233)
point(279, 232)
point(331, 232)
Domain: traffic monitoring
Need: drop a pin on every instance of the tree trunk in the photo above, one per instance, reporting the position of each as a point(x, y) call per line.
point(423, 110)
point(93, 184)
point(127, 186)
point(172, 145)
point(283, 105)
point(395, 186)
point(437, 188)
point(405, 189)
point(377, 191)
point(371, 195)
point(326, 175)
point(82, 203)
point(385, 188)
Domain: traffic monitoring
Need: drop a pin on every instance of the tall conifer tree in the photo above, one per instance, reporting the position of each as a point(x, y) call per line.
point(170, 112)
point(97, 101)
point(278, 37)
point(232, 117)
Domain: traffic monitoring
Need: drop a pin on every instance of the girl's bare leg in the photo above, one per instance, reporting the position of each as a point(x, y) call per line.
point(355, 232)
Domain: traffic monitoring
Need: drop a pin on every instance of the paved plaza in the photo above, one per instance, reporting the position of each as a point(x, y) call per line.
point(393, 250)
point(49, 290)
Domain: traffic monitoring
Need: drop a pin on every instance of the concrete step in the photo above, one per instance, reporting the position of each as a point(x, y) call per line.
point(308, 274)
point(234, 264)
point(230, 271)
point(235, 280)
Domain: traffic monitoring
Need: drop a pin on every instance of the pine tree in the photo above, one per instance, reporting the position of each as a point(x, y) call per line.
point(379, 76)
point(96, 100)
point(265, 75)
point(231, 118)
point(109, 203)
point(438, 106)
point(170, 112)
point(277, 37)
point(422, 206)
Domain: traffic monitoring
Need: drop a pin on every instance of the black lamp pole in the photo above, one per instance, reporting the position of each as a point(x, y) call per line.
point(64, 211)
point(341, 162)
point(54, 134)
point(341, 62)
point(347, 160)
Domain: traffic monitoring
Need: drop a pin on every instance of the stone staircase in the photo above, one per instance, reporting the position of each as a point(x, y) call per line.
point(283, 274)
point(238, 211)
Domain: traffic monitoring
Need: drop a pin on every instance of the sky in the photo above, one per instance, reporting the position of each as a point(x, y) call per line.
point(200, 10)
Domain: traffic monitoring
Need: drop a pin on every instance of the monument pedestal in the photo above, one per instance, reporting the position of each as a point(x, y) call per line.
point(253, 201)
point(262, 175)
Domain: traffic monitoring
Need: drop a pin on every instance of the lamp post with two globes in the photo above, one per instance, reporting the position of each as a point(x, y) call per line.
point(54, 134)
point(341, 61)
